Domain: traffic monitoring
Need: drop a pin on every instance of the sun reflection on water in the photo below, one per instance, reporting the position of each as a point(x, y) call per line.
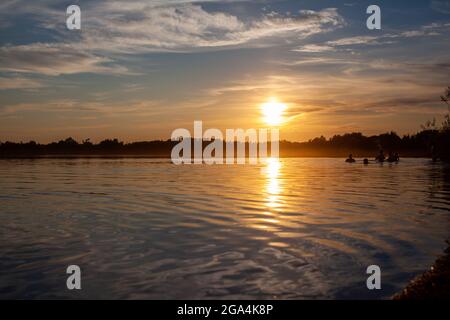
point(273, 187)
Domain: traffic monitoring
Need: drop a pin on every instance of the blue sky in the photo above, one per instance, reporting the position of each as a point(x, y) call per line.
point(137, 69)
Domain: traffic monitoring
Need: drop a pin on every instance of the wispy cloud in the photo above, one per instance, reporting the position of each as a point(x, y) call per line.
point(53, 60)
point(433, 29)
point(314, 48)
point(93, 107)
point(7, 83)
point(188, 27)
point(173, 25)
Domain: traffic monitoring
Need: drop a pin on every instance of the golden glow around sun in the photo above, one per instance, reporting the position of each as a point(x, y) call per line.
point(273, 112)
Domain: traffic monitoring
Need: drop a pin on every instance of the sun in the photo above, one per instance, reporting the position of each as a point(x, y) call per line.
point(273, 112)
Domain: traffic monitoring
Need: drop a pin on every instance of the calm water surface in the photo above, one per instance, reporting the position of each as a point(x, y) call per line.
point(288, 229)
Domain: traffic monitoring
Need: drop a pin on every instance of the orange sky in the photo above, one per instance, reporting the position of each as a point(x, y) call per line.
point(143, 76)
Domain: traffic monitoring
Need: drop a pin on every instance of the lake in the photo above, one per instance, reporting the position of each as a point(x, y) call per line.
point(286, 229)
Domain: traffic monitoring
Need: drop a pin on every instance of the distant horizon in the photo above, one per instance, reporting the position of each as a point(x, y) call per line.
point(80, 140)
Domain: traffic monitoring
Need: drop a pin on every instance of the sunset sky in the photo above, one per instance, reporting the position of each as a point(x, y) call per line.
point(138, 69)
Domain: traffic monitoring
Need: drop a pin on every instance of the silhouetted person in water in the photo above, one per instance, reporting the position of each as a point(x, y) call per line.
point(390, 157)
point(350, 159)
point(366, 161)
point(434, 154)
point(380, 157)
point(393, 157)
point(397, 157)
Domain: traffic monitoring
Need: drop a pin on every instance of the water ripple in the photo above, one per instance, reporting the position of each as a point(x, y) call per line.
point(288, 229)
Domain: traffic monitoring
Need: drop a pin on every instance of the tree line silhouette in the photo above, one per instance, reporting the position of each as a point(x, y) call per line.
point(427, 143)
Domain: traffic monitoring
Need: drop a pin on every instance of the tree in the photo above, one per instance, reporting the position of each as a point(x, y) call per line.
point(446, 98)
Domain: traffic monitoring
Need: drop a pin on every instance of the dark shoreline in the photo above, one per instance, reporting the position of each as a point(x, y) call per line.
point(433, 284)
point(427, 143)
point(130, 156)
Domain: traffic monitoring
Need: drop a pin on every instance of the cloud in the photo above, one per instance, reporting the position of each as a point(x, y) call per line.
point(314, 48)
point(188, 27)
point(353, 40)
point(7, 83)
point(53, 60)
point(174, 25)
point(344, 42)
point(94, 107)
point(427, 30)
point(111, 30)
point(432, 29)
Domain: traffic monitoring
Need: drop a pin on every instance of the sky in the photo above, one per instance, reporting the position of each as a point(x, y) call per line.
point(137, 70)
